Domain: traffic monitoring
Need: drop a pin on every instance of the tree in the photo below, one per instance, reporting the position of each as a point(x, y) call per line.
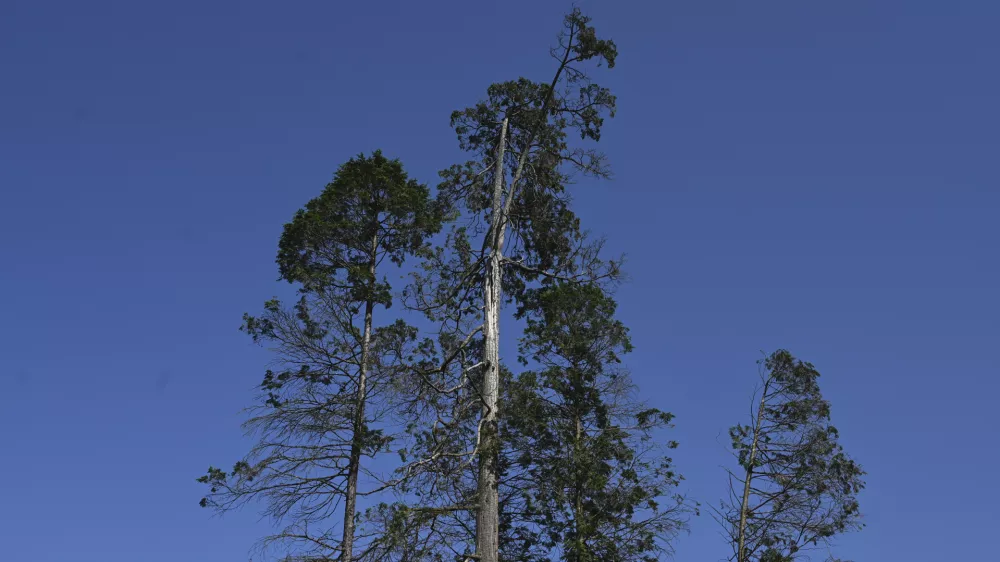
point(520, 229)
point(796, 487)
point(323, 410)
point(586, 463)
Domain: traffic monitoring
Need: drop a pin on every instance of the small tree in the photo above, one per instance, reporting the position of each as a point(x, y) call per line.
point(323, 409)
point(796, 487)
point(586, 468)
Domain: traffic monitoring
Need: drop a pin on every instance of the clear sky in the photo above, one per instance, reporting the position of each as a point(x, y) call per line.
point(820, 176)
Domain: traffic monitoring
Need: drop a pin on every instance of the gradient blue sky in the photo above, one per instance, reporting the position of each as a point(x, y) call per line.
point(820, 176)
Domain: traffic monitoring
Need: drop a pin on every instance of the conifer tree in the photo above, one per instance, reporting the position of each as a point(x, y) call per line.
point(586, 463)
point(326, 408)
point(518, 230)
point(796, 488)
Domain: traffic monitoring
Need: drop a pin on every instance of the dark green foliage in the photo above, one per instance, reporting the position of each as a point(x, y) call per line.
point(587, 478)
point(326, 405)
point(558, 451)
point(544, 233)
point(328, 244)
point(581, 468)
point(516, 220)
point(799, 485)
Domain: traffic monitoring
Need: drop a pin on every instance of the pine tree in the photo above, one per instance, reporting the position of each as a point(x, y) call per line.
point(586, 464)
point(326, 408)
point(796, 487)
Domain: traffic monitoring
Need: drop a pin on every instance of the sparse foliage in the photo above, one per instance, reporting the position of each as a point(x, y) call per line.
point(796, 487)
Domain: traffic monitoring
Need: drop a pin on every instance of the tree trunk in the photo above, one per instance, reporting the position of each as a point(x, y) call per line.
point(354, 464)
point(578, 503)
point(488, 509)
point(744, 505)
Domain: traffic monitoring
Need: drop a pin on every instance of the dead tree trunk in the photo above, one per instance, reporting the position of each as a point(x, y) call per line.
point(488, 509)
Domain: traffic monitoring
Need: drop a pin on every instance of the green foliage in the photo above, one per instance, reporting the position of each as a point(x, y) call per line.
point(541, 251)
point(801, 486)
point(586, 475)
point(315, 421)
point(542, 115)
point(329, 242)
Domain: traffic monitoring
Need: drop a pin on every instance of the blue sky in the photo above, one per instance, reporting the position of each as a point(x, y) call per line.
point(819, 176)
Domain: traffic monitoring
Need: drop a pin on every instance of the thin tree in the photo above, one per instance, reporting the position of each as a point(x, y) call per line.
point(796, 488)
point(325, 408)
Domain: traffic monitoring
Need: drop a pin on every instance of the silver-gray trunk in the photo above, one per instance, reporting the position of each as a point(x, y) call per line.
point(488, 510)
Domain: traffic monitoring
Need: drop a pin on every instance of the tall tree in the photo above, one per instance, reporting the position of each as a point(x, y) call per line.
point(520, 230)
point(586, 463)
point(796, 488)
point(321, 411)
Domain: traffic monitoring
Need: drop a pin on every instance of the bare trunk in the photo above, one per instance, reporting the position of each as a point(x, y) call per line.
point(578, 504)
point(354, 464)
point(744, 505)
point(488, 511)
